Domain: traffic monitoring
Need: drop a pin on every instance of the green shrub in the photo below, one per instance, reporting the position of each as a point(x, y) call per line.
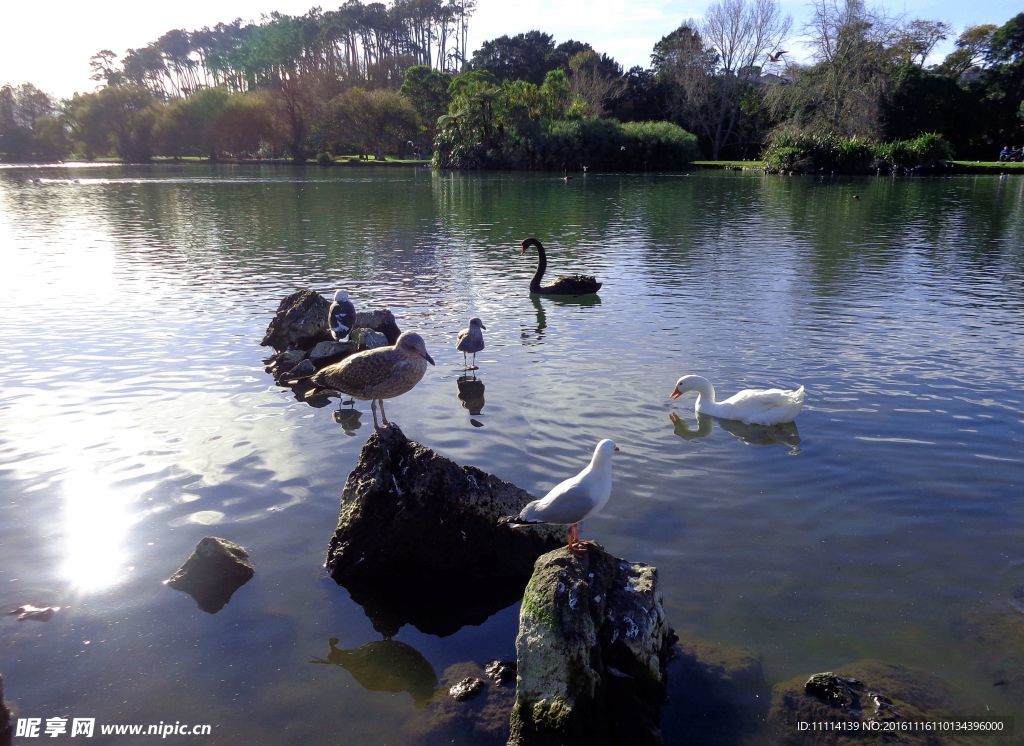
point(923, 150)
point(659, 146)
point(324, 158)
point(569, 144)
point(806, 152)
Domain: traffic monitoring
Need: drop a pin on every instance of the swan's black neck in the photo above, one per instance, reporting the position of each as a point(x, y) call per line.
point(535, 282)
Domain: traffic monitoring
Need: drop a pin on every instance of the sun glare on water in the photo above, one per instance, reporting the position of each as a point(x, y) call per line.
point(96, 519)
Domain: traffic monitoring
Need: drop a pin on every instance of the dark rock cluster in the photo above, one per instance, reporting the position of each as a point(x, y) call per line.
point(303, 343)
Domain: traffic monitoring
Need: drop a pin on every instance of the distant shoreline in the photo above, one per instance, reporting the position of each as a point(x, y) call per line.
point(990, 168)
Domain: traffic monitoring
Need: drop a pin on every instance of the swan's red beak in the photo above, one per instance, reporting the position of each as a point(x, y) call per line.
point(676, 393)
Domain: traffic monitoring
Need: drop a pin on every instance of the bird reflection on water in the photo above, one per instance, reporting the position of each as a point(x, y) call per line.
point(471, 394)
point(386, 666)
point(536, 335)
point(349, 419)
point(785, 434)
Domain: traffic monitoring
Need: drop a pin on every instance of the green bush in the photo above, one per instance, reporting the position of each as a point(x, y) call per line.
point(923, 150)
point(324, 158)
point(659, 145)
point(571, 144)
point(805, 152)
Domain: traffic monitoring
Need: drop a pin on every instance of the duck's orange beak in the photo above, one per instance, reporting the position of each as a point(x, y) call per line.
point(676, 393)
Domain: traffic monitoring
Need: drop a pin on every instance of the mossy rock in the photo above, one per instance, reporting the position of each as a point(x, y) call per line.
point(865, 694)
point(592, 647)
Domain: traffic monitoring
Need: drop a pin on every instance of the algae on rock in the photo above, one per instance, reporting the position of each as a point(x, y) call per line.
point(592, 647)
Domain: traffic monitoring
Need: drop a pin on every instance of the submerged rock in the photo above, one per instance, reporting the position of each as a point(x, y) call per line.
point(468, 688)
point(592, 648)
point(413, 519)
point(501, 672)
point(386, 666)
point(996, 635)
point(481, 720)
point(214, 571)
point(866, 693)
point(300, 321)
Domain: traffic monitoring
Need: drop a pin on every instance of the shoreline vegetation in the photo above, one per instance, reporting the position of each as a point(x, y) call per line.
point(397, 80)
point(950, 168)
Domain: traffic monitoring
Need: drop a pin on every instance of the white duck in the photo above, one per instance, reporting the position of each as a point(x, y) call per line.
point(575, 499)
point(754, 406)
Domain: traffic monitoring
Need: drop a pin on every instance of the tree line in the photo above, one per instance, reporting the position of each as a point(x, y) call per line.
point(397, 79)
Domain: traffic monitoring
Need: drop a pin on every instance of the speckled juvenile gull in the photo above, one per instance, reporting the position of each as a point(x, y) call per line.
point(471, 340)
point(575, 499)
point(378, 374)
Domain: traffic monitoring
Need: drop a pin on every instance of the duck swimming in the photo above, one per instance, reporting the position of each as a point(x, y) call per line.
point(753, 406)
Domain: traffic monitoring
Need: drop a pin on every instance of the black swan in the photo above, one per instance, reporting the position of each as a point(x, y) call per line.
point(571, 285)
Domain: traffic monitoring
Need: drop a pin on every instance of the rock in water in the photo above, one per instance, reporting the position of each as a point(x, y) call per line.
point(417, 533)
point(467, 688)
point(480, 720)
point(215, 570)
point(300, 321)
point(368, 339)
point(863, 693)
point(592, 647)
point(381, 320)
point(5, 717)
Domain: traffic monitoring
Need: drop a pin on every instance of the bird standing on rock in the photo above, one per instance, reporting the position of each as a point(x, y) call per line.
point(378, 374)
point(341, 316)
point(471, 340)
point(575, 499)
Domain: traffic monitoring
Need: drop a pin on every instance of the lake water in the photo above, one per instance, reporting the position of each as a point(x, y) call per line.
point(136, 418)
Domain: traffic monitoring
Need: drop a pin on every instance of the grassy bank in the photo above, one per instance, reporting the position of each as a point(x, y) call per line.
point(959, 167)
point(732, 165)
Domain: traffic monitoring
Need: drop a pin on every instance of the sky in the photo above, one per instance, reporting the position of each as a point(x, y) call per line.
point(49, 43)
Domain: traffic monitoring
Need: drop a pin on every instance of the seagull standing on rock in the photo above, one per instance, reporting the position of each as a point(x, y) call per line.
point(471, 340)
point(341, 316)
point(378, 374)
point(575, 499)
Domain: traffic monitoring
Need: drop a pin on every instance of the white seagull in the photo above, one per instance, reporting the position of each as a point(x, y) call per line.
point(575, 499)
point(753, 406)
